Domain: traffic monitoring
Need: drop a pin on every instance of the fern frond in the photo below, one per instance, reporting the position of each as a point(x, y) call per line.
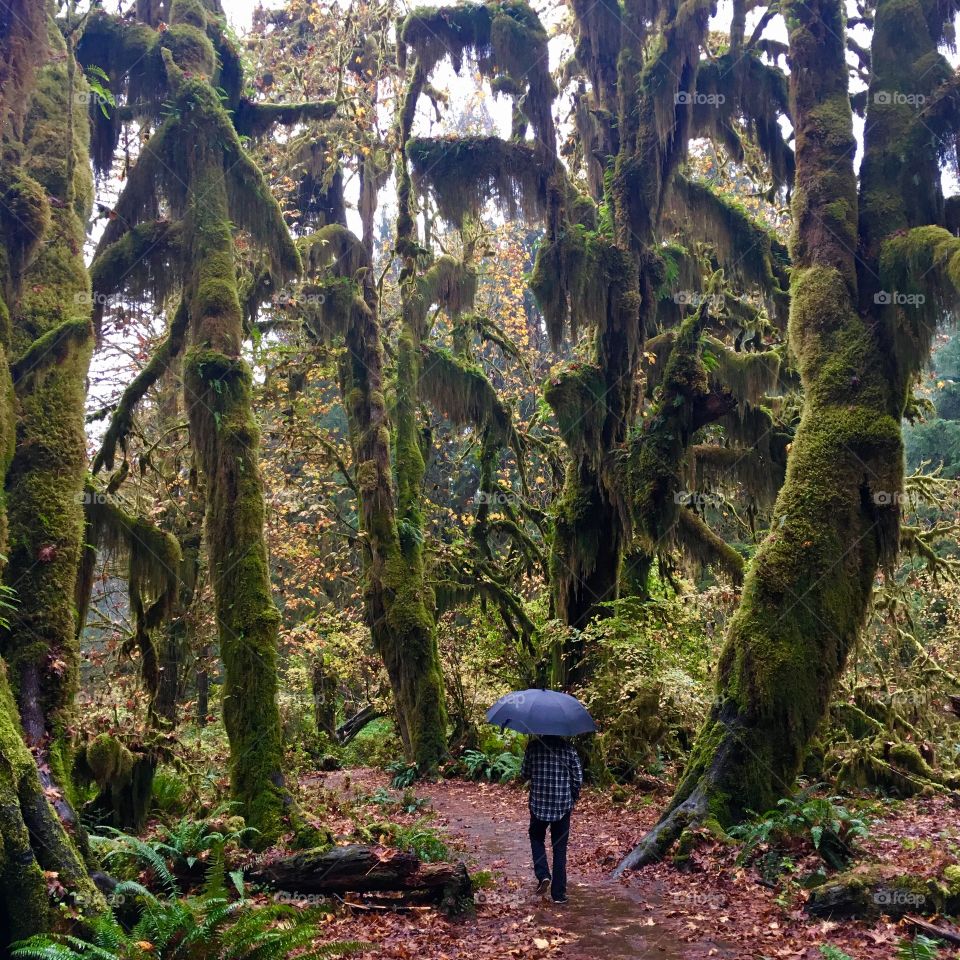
point(147, 854)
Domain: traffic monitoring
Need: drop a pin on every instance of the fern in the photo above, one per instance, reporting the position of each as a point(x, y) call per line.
point(124, 846)
point(920, 948)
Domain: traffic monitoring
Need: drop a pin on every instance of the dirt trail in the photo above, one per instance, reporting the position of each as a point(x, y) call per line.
point(604, 920)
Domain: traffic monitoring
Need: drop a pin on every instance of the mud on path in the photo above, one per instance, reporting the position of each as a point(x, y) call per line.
point(487, 825)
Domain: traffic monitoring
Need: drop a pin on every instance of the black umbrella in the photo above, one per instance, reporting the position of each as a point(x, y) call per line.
point(546, 712)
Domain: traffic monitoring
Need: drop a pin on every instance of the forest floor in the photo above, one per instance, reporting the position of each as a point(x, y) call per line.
point(716, 908)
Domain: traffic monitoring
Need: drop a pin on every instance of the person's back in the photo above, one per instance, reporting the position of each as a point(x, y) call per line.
point(553, 768)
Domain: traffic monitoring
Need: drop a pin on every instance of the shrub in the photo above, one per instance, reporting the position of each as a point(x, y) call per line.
point(821, 822)
point(501, 767)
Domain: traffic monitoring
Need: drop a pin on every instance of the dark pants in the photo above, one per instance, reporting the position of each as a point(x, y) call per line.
point(559, 835)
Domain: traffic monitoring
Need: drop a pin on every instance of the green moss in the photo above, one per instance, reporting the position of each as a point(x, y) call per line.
point(191, 49)
point(190, 12)
point(462, 392)
point(464, 174)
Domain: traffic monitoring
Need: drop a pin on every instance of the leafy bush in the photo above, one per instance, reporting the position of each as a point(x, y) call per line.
point(822, 822)
point(501, 767)
point(403, 774)
point(650, 687)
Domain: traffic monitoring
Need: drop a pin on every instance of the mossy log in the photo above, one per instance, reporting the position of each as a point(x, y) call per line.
point(870, 891)
point(359, 869)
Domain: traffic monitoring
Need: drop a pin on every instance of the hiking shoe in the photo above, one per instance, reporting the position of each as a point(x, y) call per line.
point(543, 886)
point(561, 900)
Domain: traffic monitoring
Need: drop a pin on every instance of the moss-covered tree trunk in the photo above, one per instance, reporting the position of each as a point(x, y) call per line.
point(32, 837)
point(399, 607)
point(806, 594)
point(226, 437)
point(51, 341)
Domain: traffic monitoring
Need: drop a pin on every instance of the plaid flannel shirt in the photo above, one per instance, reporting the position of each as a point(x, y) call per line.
point(555, 777)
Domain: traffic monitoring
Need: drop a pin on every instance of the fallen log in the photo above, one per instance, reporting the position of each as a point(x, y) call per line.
point(933, 930)
point(869, 891)
point(351, 727)
point(361, 869)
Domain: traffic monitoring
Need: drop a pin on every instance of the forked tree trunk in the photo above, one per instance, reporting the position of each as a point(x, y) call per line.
point(806, 595)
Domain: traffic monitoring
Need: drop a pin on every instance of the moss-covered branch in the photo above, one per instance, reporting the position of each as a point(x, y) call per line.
point(464, 174)
point(50, 349)
point(253, 119)
point(463, 393)
point(705, 548)
point(122, 419)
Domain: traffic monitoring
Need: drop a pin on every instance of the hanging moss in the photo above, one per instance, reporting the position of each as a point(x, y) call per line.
point(463, 393)
point(702, 548)
point(739, 93)
point(143, 260)
point(743, 247)
point(921, 270)
point(465, 173)
point(577, 394)
point(439, 32)
point(508, 43)
point(448, 283)
point(749, 375)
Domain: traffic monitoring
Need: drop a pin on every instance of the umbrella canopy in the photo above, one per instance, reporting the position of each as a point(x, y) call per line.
point(546, 712)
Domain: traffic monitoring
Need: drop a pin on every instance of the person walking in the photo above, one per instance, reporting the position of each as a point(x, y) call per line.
point(556, 777)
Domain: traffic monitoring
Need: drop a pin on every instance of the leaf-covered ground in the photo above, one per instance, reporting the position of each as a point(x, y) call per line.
point(717, 908)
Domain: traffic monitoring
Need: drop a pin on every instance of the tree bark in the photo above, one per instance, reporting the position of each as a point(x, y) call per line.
point(806, 594)
point(51, 341)
point(217, 381)
point(32, 837)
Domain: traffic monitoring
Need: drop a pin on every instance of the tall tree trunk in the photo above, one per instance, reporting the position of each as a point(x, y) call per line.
point(51, 341)
point(806, 595)
point(226, 437)
point(32, 837)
